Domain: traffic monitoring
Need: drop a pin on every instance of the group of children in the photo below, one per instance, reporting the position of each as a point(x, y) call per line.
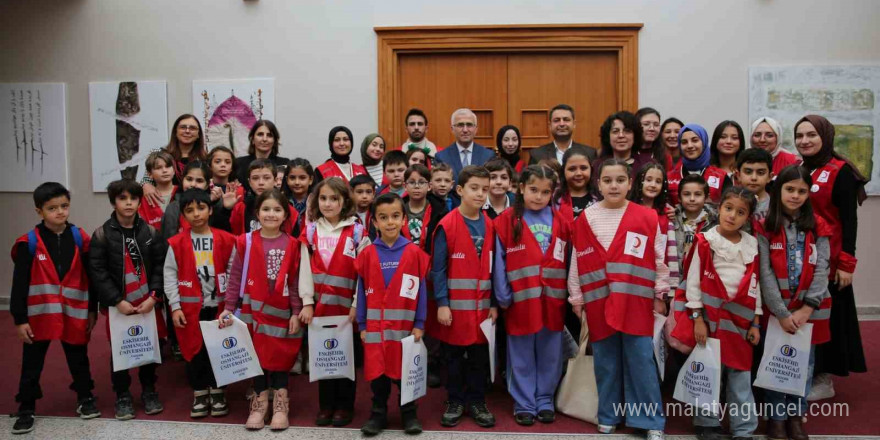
point(434, 255)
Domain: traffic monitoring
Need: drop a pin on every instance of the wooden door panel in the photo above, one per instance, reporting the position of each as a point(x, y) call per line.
point(441, 83)
point(587, 81)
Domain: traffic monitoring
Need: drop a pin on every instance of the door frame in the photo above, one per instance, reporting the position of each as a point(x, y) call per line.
point(621, 38)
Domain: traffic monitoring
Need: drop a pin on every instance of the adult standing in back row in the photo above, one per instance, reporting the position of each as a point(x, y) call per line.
point(265, 141)
point(464, 151)
point(562, 129)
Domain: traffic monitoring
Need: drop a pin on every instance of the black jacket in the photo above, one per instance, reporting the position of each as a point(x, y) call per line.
point(107, 257)
point(548, 151)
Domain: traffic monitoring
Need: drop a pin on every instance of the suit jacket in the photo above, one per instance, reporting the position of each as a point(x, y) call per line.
point(548, 151)
point(449, 155)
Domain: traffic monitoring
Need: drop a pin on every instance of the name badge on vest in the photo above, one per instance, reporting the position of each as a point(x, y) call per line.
point(823, 176)
point(814, 258)
point(349, 250)
point(714, 182)
point(559, 250)
point(221, 282)
point(409, 286)
point(635, 244)
point(753, 287)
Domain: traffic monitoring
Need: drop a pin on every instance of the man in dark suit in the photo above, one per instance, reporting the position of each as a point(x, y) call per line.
point(561, 128)
point(464, 151)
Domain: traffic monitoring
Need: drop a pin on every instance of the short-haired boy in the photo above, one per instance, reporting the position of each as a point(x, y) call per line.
point(754, 171)
point(442, 182)
point(50, 260)
point(195, 285)
point(363, 190)
point(394, 165)
point(125, 269)
point(693, 213)
point(500, 179)
point(423, 209)
point(160, 168)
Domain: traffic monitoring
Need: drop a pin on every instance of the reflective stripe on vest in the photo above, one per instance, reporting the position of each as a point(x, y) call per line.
point(276, 332)
point(74, 312)
point(469, 304)
point(274, 312)
point(468, 283)
point(190, 299)
point(373, 338)
point(527, 294)
point(389, 335)
point(334, 300)
point(392, 314)
point(592, 277)
point(528, 271)
point(43, 289)
point(630, 269)
point(335, 281)
point(596, 294)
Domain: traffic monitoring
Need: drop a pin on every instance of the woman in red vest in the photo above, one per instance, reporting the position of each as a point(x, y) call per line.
point(529, 279)
point(265, 271)
point(696, 159)
point(339, 164)
point(794, 252)
point(722, 300)
point(837, 191)
point(618, 279)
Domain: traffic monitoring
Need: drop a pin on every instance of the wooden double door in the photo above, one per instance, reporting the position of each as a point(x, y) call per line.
point(517, 88)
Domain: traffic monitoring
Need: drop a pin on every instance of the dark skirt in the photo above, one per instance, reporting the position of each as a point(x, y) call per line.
point(844, 353)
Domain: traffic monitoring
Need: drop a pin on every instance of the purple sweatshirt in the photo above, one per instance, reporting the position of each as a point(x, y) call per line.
point(273, 254)
point(389, 259)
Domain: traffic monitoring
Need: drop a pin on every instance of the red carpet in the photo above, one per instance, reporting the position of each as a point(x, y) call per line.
point(859, 391)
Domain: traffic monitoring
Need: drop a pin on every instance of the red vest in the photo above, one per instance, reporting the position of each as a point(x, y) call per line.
point(618, 283)
point(728, 320)
point(794, 300)
point(237, 219)
point(469, 283)
point(190, 288)
point(566, 208)
point(714, 177)
point(153, 214)
point(330, 169)
point(137, 290)
point(269, 312)
point(538, 281)
point(57, 309)
point(821, 197)
point(334, 285)
point(783, 159)
point(391, 310)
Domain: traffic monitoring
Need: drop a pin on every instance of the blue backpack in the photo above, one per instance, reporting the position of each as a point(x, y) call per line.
point(32, 239)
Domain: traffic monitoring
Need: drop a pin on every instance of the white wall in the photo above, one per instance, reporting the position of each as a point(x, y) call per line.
point(693, 55)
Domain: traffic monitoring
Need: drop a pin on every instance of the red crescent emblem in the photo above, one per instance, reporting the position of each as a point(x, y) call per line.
point(638, 243)
point(412, 284)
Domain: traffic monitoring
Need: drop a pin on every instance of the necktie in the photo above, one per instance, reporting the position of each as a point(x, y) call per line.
point(466, 160)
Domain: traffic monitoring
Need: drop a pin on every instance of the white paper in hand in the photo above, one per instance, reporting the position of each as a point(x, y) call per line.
point(488, 328)
point(660, 344)
point(331, 348)
point(134, 339)
point(786, 361)
point(231, 351)
point(414, 370)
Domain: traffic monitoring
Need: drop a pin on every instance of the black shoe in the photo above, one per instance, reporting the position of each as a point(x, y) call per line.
point(744, 438)
point(377, 422)
point(152, 405)
point(219, 407)
point(410, 421)
point(433, 380)
point(709, 433)
point(524, 419)
point(452, 415)
point(480, 413)
point(86, 408)
point(175, 351)
point(201, 405)
point(23, 424)
point(124, 407)
point(546, 416)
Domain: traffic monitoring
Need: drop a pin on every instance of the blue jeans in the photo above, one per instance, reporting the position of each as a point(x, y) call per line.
point(783, 406)
point(626, 363)
point(743, 417)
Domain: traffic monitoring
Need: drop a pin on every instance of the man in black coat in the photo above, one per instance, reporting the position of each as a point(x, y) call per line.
point(561, 128)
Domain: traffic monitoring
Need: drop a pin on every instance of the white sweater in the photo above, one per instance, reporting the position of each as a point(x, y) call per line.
point(730, 260)
point(323, 228)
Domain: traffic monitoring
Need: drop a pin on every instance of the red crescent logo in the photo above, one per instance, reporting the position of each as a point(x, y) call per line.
point(412, 284)
point(638, 243)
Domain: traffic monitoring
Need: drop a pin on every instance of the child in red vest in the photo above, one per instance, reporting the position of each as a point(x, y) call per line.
point(501, 181)
point(393, 298)
point(264, 274)
point(195, 285)
point(160, 168)
point(50, 259)
point(125, 271)
point(329, 245)
point(649, 190)
point(394, 165)
point(462, 266)
point(261, 178)
point(363, 192)
point(723, 300)
point(618, 278)
point(575, 192)
point(794, 251)
point(529, 279)
point(298, 179)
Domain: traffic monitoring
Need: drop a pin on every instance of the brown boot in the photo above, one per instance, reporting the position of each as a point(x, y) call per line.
point(280, 409)
point(259, 408)
point(776, 430)
point(796, 429)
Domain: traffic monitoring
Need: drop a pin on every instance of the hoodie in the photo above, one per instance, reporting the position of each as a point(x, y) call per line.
point(329, 234)
point(389, 259)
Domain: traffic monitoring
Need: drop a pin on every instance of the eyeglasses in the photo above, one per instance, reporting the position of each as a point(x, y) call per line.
point(418, 184)
point(188, 128)
point(461, 125)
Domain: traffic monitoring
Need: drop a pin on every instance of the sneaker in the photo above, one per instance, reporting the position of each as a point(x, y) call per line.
point(452, 415)
point(606, 429)
point(124, 407)
point(546, 416)
point(524, 419)
point(86, 408)
point(219, 408)
point(480, 413)
point(152, 405)
point(201, 405)
point(822, 388)
point(709, 433)
point(23, 424)
point(654, 434)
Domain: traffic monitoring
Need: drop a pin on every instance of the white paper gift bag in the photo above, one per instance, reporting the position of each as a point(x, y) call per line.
point(785, 365)
point(331, 348)
point(134, 339)
point(231, 351)
point(699, 381)
point(413, 370)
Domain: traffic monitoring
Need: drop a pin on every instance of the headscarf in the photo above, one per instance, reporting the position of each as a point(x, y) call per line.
point(825, 129)
point(774, 125)
point(514, 158)
point(338, 158)
point(365, 158)
point(701, 162)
